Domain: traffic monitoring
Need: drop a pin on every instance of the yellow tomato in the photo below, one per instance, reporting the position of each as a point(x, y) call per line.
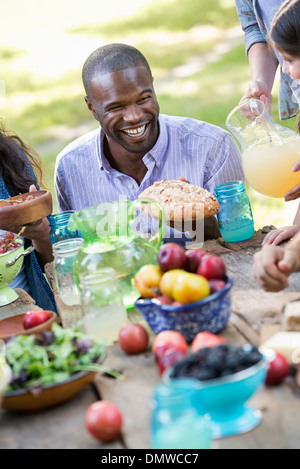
point(147, 280)
point(167, 281)
point(190, 287)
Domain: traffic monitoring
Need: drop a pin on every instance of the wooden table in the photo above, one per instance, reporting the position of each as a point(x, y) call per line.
point(255, 316)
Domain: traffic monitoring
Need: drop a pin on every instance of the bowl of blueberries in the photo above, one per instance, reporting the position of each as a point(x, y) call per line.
point(226, 377)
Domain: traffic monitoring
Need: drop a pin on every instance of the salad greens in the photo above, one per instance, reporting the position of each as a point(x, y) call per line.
point(52, 357)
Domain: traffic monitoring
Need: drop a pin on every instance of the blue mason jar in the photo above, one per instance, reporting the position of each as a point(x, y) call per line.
point(235, 217)
point(59, 227)
point(177, 419)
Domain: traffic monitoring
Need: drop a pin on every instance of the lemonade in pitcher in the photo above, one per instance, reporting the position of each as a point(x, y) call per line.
point(268, 166)
point(269, 151)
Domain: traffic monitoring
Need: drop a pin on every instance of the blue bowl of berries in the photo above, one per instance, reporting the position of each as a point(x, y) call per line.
point(226, 376)
point(210, 314)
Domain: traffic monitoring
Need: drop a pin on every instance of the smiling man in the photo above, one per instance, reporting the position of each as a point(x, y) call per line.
point(135, 144)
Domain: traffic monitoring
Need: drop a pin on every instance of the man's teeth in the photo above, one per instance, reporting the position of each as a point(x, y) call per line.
point(136, 132)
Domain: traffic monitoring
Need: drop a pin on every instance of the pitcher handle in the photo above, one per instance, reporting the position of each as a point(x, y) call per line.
point(156, 213)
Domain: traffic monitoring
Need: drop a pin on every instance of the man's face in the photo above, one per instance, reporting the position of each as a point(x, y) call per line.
point(126, 107)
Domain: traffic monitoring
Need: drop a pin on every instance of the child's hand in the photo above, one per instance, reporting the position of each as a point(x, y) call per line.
point(273, 265)
point(266, 271)
point(281, 234)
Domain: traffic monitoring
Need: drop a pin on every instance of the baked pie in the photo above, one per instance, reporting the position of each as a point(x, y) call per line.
point(181, 200)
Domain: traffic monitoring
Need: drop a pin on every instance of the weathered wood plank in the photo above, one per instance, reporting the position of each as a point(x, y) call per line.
point(279, 428)
point(59, 427)
point(21, 305)
point(254, 314)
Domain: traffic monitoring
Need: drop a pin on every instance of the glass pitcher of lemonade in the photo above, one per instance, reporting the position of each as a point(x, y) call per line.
point(122, 235)
point(269, 150)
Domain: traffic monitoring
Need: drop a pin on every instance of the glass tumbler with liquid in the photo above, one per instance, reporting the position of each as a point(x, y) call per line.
point(59, 227)
point(177, 422)
point(65, 253)
point(104, 312)
point(235, 216)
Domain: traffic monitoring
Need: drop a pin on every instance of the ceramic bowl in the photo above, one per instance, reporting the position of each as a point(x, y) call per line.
point(50, 395)
point(224, 400)
point(210, 314)
point(13, 325)
point(25, 212)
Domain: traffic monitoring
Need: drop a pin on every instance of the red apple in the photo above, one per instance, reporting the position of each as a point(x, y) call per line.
point(171, 256)
point(34, 318)
point(164, 300)
point(167, 360)
point(279, 369)
point(212, 267)
point(206, 339)
point(171, 338)
point(194, 257)
point(133, 338)
point(216, 284)
point(176, 304)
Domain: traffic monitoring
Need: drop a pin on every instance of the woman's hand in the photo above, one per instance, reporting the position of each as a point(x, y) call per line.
point(39, 233)
point(281, 234)
point(259, 90)
point(294, 193)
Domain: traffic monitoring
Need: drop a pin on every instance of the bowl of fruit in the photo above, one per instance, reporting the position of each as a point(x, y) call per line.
point(25, 208)
point(188, 291)
point(31, 322)
point(226, 376)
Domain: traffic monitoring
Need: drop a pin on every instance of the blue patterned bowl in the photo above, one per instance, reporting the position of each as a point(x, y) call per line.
point(210, 314)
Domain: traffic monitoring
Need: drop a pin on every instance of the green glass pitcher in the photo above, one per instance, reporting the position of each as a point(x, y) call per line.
point(123, 235)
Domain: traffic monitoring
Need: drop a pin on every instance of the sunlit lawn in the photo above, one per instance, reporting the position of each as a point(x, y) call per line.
point(48, 111)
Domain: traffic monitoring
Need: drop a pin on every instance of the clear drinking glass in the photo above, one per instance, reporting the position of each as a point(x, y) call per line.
point(104, 312)
point(59, 230)
point(65, 253)
point(235, 216)
point(177, 419)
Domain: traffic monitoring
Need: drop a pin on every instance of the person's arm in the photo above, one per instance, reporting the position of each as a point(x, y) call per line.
point(285, 233)
point(39, 233)
point(263, 66)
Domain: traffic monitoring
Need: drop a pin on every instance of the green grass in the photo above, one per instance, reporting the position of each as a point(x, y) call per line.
point(168, 15)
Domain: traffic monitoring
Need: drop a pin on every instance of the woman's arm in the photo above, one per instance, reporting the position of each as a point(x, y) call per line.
point(263, 66)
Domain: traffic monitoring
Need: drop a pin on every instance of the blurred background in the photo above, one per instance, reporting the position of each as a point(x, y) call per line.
point(195, 49)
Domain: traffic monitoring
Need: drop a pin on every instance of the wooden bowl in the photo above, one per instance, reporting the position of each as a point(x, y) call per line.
point(13, 325)
point(51, 395)
point(27, 211)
